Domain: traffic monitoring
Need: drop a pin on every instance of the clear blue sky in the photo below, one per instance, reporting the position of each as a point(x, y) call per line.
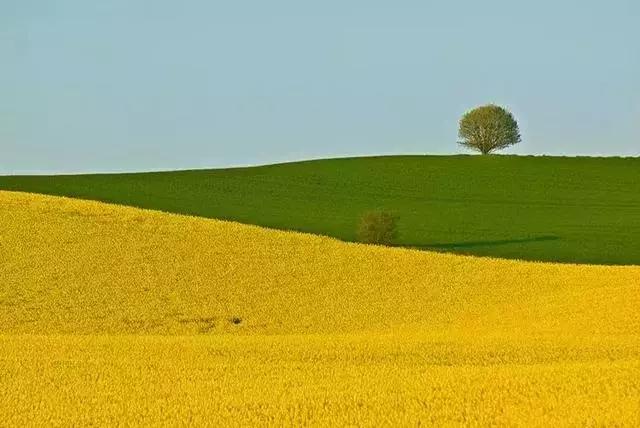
point(88, 85)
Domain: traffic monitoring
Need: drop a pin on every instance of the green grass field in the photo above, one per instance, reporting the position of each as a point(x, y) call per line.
point(583, 210)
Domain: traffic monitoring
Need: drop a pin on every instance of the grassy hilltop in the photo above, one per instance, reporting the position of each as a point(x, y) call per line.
point(583, 210)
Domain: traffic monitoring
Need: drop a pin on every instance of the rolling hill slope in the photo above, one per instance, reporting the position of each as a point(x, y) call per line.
point(583, 210)
point(113, 313)
point(83, 267)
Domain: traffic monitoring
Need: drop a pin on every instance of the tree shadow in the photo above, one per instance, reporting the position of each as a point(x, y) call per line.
point(473, 244)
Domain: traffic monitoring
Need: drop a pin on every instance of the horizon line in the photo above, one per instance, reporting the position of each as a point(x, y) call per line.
point(303, 160)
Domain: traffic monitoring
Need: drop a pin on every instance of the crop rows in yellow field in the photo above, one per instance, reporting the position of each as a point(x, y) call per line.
point(111, 313)
point(363, 380)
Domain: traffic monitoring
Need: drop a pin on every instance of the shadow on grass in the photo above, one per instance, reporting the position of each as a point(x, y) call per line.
point(473, 244)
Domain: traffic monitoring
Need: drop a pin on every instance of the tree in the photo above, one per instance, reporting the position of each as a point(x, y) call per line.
point(378, 227)
point(488, 128)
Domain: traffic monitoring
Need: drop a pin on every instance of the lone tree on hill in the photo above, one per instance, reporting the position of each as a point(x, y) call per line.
point(488, 128)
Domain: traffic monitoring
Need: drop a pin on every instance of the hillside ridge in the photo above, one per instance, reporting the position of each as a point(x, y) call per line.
point(569, 210)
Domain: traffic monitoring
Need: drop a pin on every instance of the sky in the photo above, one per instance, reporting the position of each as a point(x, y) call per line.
point(132, 85)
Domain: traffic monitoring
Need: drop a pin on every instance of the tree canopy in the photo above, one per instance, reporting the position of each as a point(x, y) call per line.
point(488, 128)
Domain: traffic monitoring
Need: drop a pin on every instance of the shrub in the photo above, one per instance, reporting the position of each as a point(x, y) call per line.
point(488, 128)
point(378, 227)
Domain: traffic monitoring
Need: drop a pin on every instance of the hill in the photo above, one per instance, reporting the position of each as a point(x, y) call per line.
point(575, 210)
point(128, 314)
point(124, 270)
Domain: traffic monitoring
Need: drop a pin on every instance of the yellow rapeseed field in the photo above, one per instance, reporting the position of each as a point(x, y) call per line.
point(114, 315)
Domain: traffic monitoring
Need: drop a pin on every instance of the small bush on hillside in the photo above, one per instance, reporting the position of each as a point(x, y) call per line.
point(378, 227)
